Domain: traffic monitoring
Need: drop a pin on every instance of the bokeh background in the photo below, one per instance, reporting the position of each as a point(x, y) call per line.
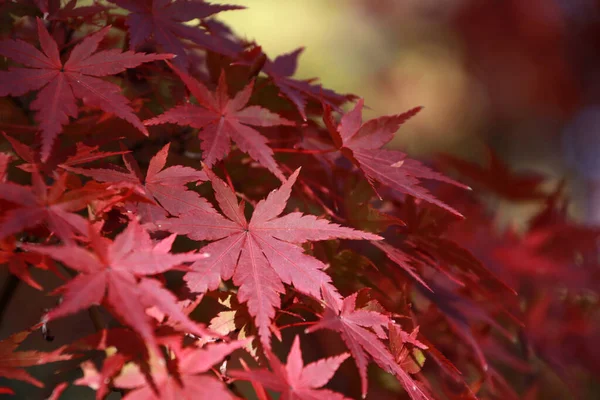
point(518, 76)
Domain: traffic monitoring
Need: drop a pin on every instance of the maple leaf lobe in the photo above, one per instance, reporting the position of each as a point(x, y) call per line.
point(295, 380)
point(362, 144)
point(222, 119)
point(116, 272)
point(61, 84)
point(261, 254)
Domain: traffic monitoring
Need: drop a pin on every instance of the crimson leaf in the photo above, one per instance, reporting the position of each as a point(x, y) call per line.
point(261, 254)
point(299, 92)
point(362, 331)
point(115, 271)
point(163, 185)
point(52, 205)
point(361, 143)
point(62, 83)
point(295, 380)
point(164, 20)
point(12, 362)
point(223, 119)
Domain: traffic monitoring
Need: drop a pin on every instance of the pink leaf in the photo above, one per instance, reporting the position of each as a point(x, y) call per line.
point(295, 380)
point(261, 254)
point(223, 120)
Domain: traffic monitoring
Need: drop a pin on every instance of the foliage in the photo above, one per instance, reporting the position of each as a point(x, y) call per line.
point(265, 213)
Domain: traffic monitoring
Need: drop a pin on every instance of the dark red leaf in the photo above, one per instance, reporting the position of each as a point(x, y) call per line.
point(165, 21)
point(62, 83)
point(361, 143)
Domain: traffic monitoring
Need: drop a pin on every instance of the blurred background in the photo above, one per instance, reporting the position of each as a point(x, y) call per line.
point(518, 76)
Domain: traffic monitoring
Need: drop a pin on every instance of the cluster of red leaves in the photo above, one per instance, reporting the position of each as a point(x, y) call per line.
point(365, 249)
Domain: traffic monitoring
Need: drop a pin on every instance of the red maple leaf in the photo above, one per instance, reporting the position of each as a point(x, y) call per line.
point(402, 259)
point(115, 271)
point(261, 254)
point(12, 363)
point(17, 261)
point(405, 346)
point(80, 153)
point(428, 239)
point(183, 378)
point(164, 20)
point(299, 92)
point(223, 119)
point(62, 83)
point(362, 330)
point(496, 177)
point(361, 144)
point(5, 160)
point(53, 206)
point(295, 380)
point(163, 185)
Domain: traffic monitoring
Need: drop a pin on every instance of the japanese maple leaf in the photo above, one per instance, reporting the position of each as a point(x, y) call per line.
point(163, 185)
point(361, 144)
point(401, 259)
point(184, 379)
point(362, 330)
point(38, 203)
point(17, 261)
point(261, 254)
point(115, 271)
point(62, 83)
point(496, 177)
point(12, 362)
point(5, 160)
point(428, 240)
point(79, 153)
point(407, 348)
point(83, 153)
point(297, 91)
point(223, 119)
point(295, 380)
point(164, 20)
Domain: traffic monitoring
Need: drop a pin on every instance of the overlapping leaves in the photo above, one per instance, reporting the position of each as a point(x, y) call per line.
point(261, 254)
point(62, 83)
point(115, 272)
